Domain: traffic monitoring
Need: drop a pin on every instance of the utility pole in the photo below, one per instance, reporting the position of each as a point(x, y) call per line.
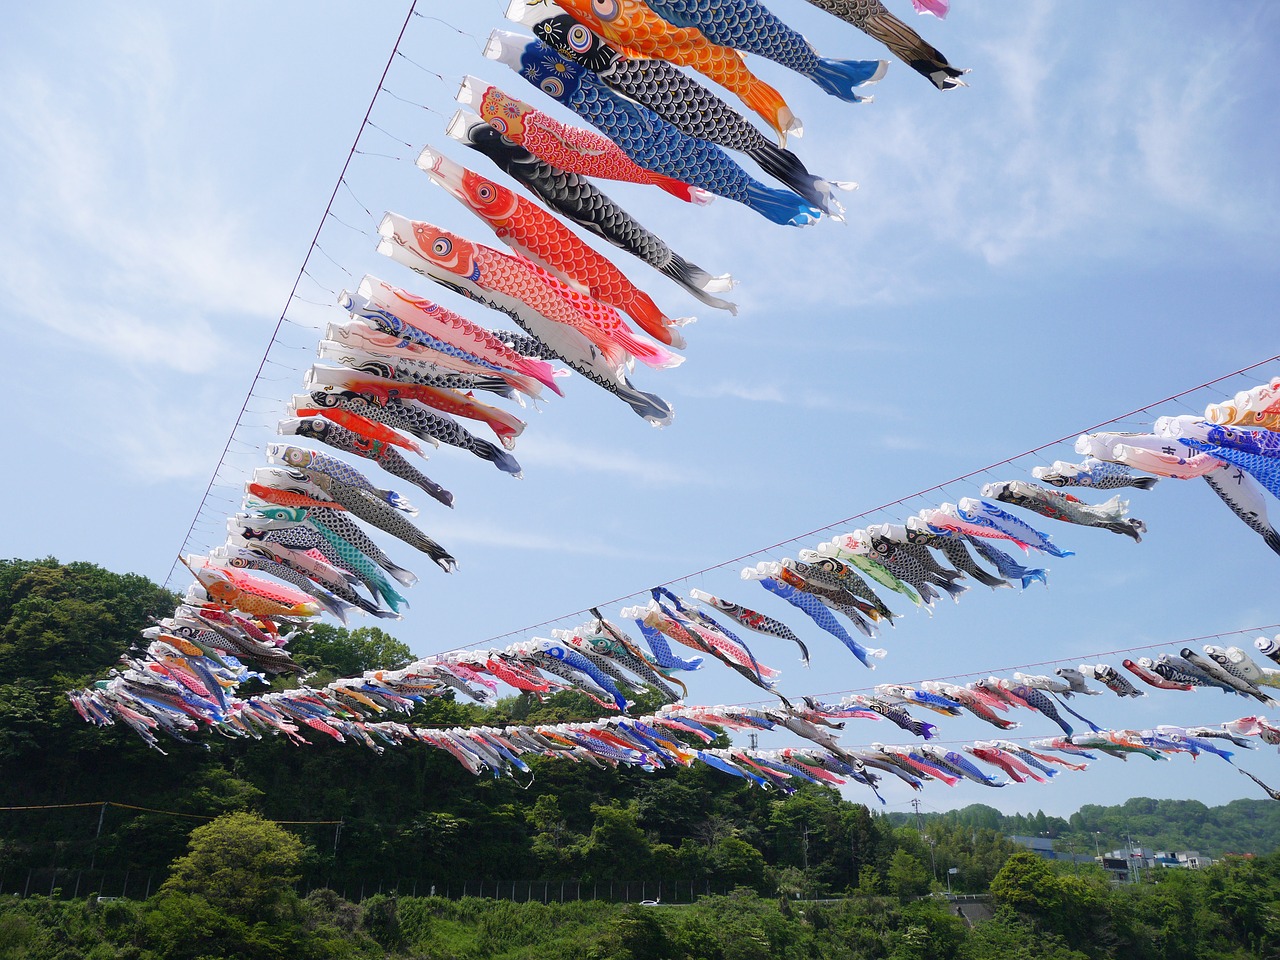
point(933, 862)
point(102, 814)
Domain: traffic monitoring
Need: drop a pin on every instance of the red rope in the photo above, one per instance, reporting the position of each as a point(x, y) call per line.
point(874, 510)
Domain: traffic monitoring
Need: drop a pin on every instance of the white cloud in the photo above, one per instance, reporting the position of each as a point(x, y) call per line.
point(1059, 151)
point(547, 453)
point(805, 397)
point(478, 532)
point(133, 218)
point(135, 253)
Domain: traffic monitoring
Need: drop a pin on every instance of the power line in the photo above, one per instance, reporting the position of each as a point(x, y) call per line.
point(298, 279)
point(1185, 641)
point(771, 548)
point(131, 806)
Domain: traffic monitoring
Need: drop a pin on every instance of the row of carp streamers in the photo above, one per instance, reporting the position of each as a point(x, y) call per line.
point(178, 692)
point(405, 372)
point(409, 366)
point(617, 64)
point(195, 659)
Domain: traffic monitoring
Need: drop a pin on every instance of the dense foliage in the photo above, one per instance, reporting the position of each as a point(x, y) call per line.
point(1230, 911)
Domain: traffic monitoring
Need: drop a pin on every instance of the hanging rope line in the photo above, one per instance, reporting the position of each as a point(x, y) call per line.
point(312, 247)
point(771, 548)
point(1177, 644)
point(130, 806)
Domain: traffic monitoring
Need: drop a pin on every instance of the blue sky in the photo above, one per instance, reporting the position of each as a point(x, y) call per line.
point(1087, 228)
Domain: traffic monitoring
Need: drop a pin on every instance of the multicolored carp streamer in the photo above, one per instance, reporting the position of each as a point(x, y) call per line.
point(910, 562)
point(816, 609)
point(298, 528)
point(634, 28)
point(753, 621)
point(644, 136)
point(522, 280)
point(598, 659)
point(1092, 473)
point(421, 323)
point(188, 682)
point(407, 367)
point(985, 514)
point(541, 238)
point(1256, 407)
point(1145, 451)
point(952, 547)
point(1234, 447)
point(385, 455)
point(657, 617)
point(873, 19)
point(505, 426)
point(747, 25)
point(413, 419)
point(685, 104)
point(571, 148)
point(577, 199)
point(400, 368)
point(453, 262)
point(1063, 506)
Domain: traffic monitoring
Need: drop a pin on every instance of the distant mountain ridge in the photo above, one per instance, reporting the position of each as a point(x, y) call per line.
point(1241, 826)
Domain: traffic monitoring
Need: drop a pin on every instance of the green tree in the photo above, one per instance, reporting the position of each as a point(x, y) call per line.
point(1072, 905)
point(70, 620)
point(869, 881)
point(928, 932)
point(636, 935)
point(738, 863)
point(908, 877)
point(552, 839)
point(240, 863)
point(1027, 885)
point(1246, 894)
point(348, 653)
point(1008, 938)
point(616, 848)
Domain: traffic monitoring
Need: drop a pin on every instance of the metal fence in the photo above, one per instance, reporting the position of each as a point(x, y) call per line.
point(523, 891)
point(72, 883)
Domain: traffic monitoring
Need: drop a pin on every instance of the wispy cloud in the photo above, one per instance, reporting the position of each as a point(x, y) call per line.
point(505, 537)
point(804, 397)
point(131, 229)
point(549, 453)
point(1050, 156)
point(131, 253)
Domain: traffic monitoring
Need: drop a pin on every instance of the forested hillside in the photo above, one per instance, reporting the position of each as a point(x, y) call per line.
point(231, 896)
point(1241, 826)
